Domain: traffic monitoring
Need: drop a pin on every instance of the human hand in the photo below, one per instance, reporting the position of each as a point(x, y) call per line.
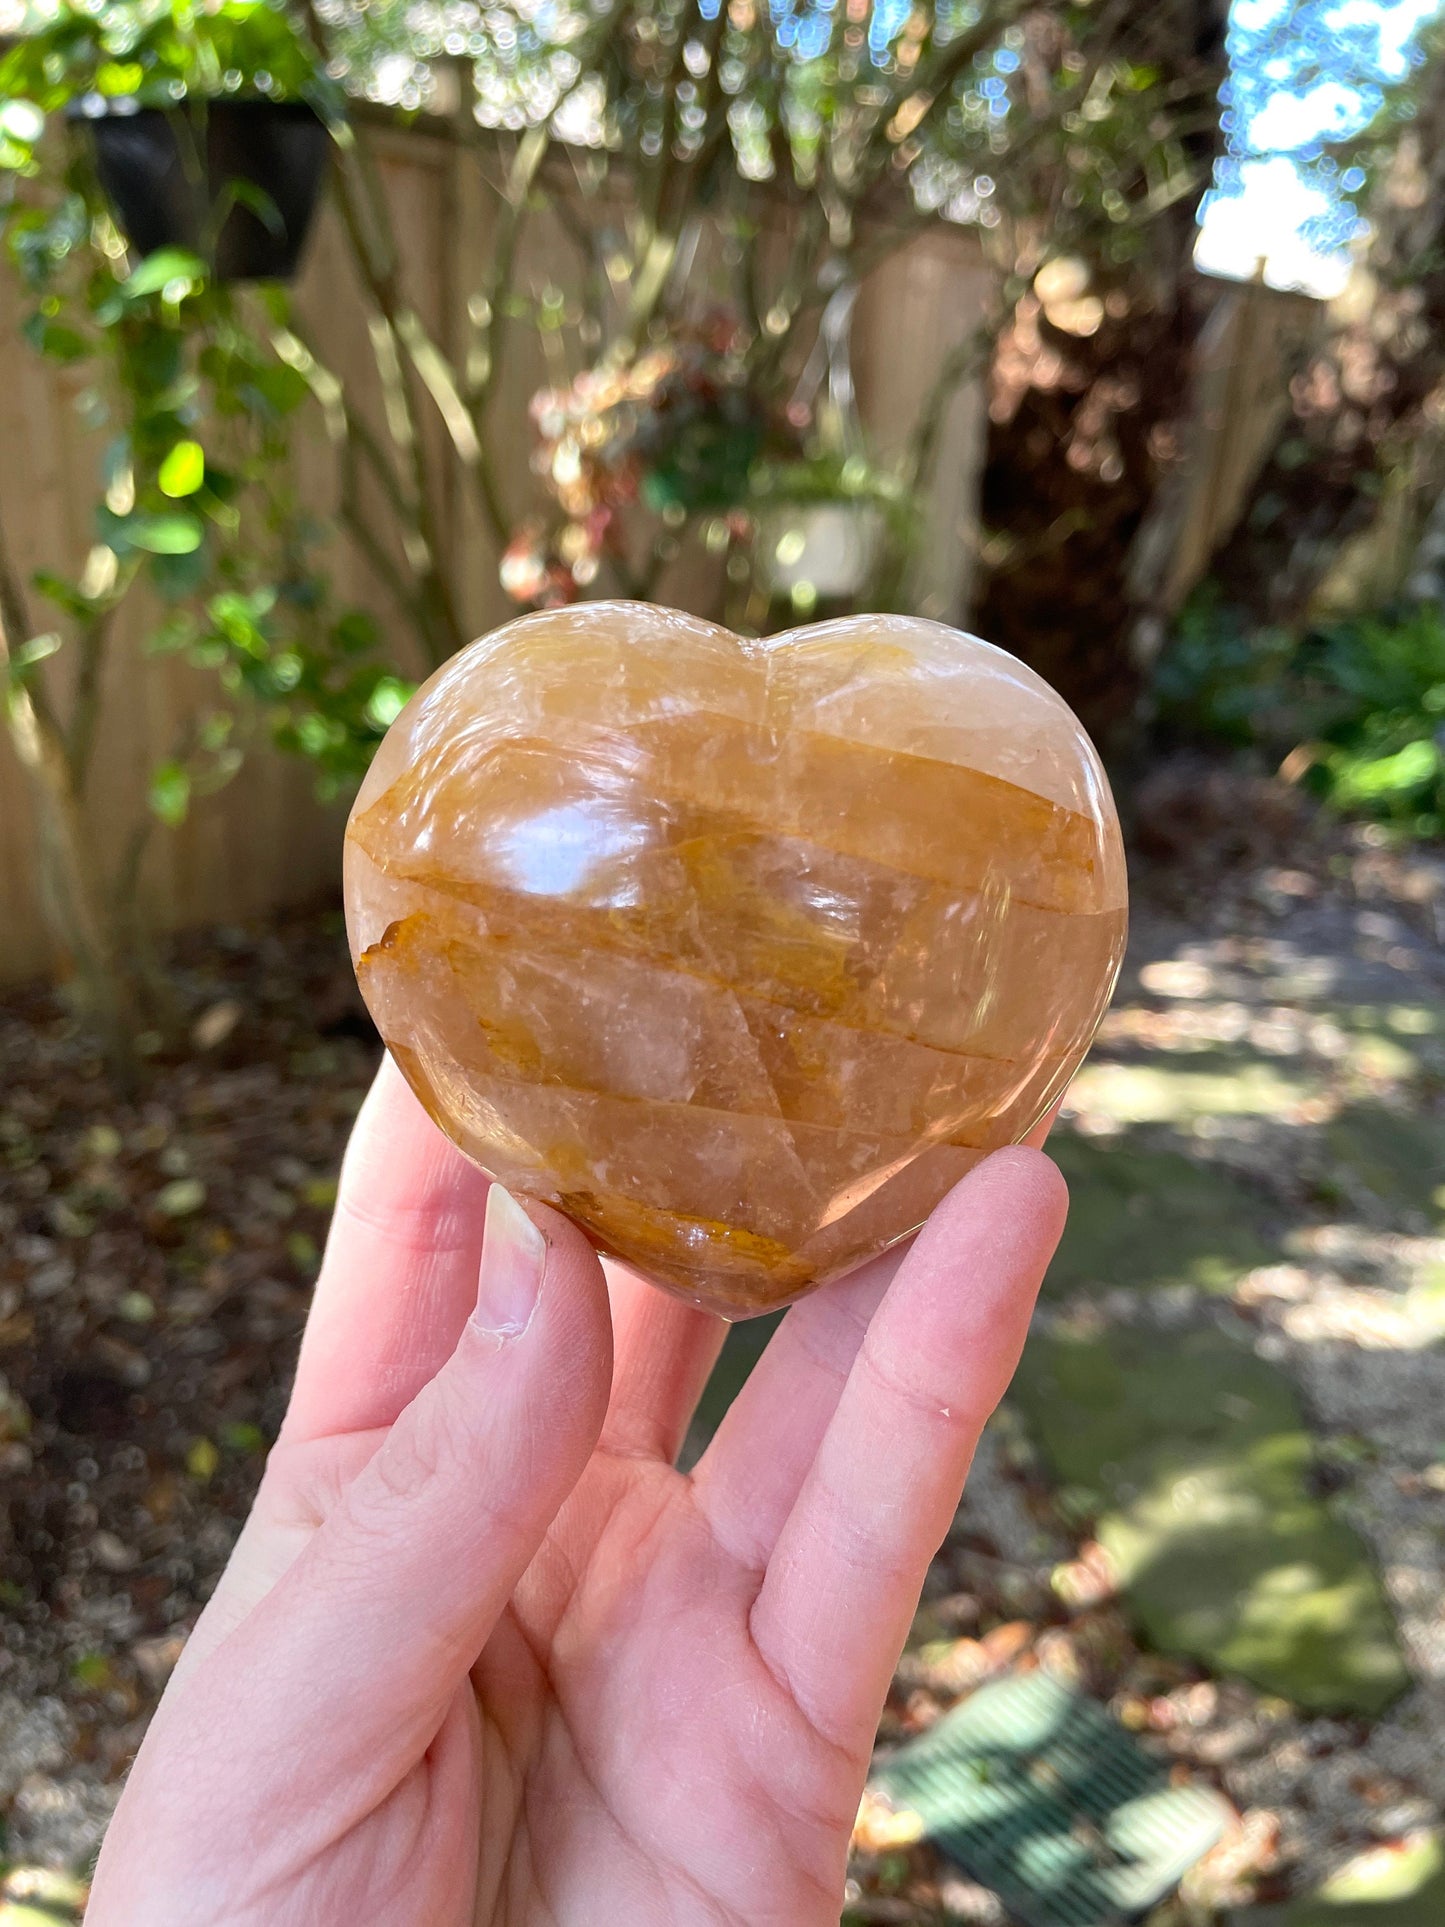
point(482, 1655)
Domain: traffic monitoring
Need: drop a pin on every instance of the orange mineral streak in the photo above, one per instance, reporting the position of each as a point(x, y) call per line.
point(739, 952)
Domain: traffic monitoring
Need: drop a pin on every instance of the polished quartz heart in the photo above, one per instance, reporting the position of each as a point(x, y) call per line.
point(739, 952)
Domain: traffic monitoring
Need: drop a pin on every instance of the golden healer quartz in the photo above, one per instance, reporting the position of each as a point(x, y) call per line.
point(739, 952)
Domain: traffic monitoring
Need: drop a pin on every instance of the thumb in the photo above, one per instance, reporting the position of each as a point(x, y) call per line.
point(377, 1624)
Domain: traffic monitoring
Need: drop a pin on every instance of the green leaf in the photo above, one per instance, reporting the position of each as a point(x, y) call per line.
point(170, 793)
point(177, 534)
point(355, 632)
point(301, 1248)
point(249, 195)
point(21, 665)
point(216, 730)
point(68, 596)
point(238, 619)
point(177, 576)
point(21, 121)
point(160, 269)
point(182, 473)
point(54, 340)
point(387, 700)
point(91, 1670)
point(180, 1197)
point(64, 344)
point(278, 390)
point(117, 78)
point(1363, 779)
point(34, 651)
point(154, 369)
point(221, 486)
point(177, 632)
point(225, 764)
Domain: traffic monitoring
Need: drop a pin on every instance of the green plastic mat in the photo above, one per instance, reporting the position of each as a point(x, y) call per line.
point(1040, 1795)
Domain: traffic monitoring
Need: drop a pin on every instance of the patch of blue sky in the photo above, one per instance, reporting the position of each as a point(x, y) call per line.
point(1303, 73)
point(884, 25)
point(813, 34)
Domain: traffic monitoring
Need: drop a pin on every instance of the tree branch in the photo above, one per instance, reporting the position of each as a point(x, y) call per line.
point(424, 546)
point(74, 898)
point(16, 629)
point(484, 348)
point(85, 708)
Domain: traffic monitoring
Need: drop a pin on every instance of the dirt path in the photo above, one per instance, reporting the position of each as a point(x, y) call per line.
point(1225, 1454)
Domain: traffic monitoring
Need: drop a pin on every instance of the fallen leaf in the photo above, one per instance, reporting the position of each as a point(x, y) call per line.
point(883, 1828)
point(180, 1197)
point(214, 1026)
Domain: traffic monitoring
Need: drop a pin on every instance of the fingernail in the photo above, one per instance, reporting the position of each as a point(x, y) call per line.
point(514, 1256)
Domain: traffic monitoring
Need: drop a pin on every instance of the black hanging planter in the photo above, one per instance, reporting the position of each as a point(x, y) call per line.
point(274, 152)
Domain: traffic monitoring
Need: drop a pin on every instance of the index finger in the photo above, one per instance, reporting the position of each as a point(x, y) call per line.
point(845, 1574)
point(399, 1277)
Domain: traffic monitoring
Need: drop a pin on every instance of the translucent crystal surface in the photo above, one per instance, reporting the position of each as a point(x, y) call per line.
point(739, 952)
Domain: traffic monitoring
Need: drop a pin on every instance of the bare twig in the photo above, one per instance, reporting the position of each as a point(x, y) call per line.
point(366, 218)
point(444, 632)
point(488, 322)
point(594, 275)
point(439, 379)
point(661, 175)
point(402, 325)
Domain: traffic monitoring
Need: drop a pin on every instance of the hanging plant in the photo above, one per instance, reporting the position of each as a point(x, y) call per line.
point(203, 122)
point(235, 182)
point(825, 528)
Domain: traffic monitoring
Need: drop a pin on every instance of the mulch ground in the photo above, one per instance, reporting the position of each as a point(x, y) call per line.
point(156, 1259)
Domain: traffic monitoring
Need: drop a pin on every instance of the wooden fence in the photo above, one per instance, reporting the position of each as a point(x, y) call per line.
point(264, 842)
point(1252, 339)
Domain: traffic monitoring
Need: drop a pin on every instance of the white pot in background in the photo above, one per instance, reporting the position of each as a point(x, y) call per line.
point(833, 546)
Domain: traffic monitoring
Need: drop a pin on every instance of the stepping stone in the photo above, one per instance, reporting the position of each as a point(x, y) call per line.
point(1194, 1456)
point(1145, 1218)
point(1400, 1159)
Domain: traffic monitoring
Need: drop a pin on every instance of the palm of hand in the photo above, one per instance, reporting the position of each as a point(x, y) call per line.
point(658, 1754)
point(483, 1657)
